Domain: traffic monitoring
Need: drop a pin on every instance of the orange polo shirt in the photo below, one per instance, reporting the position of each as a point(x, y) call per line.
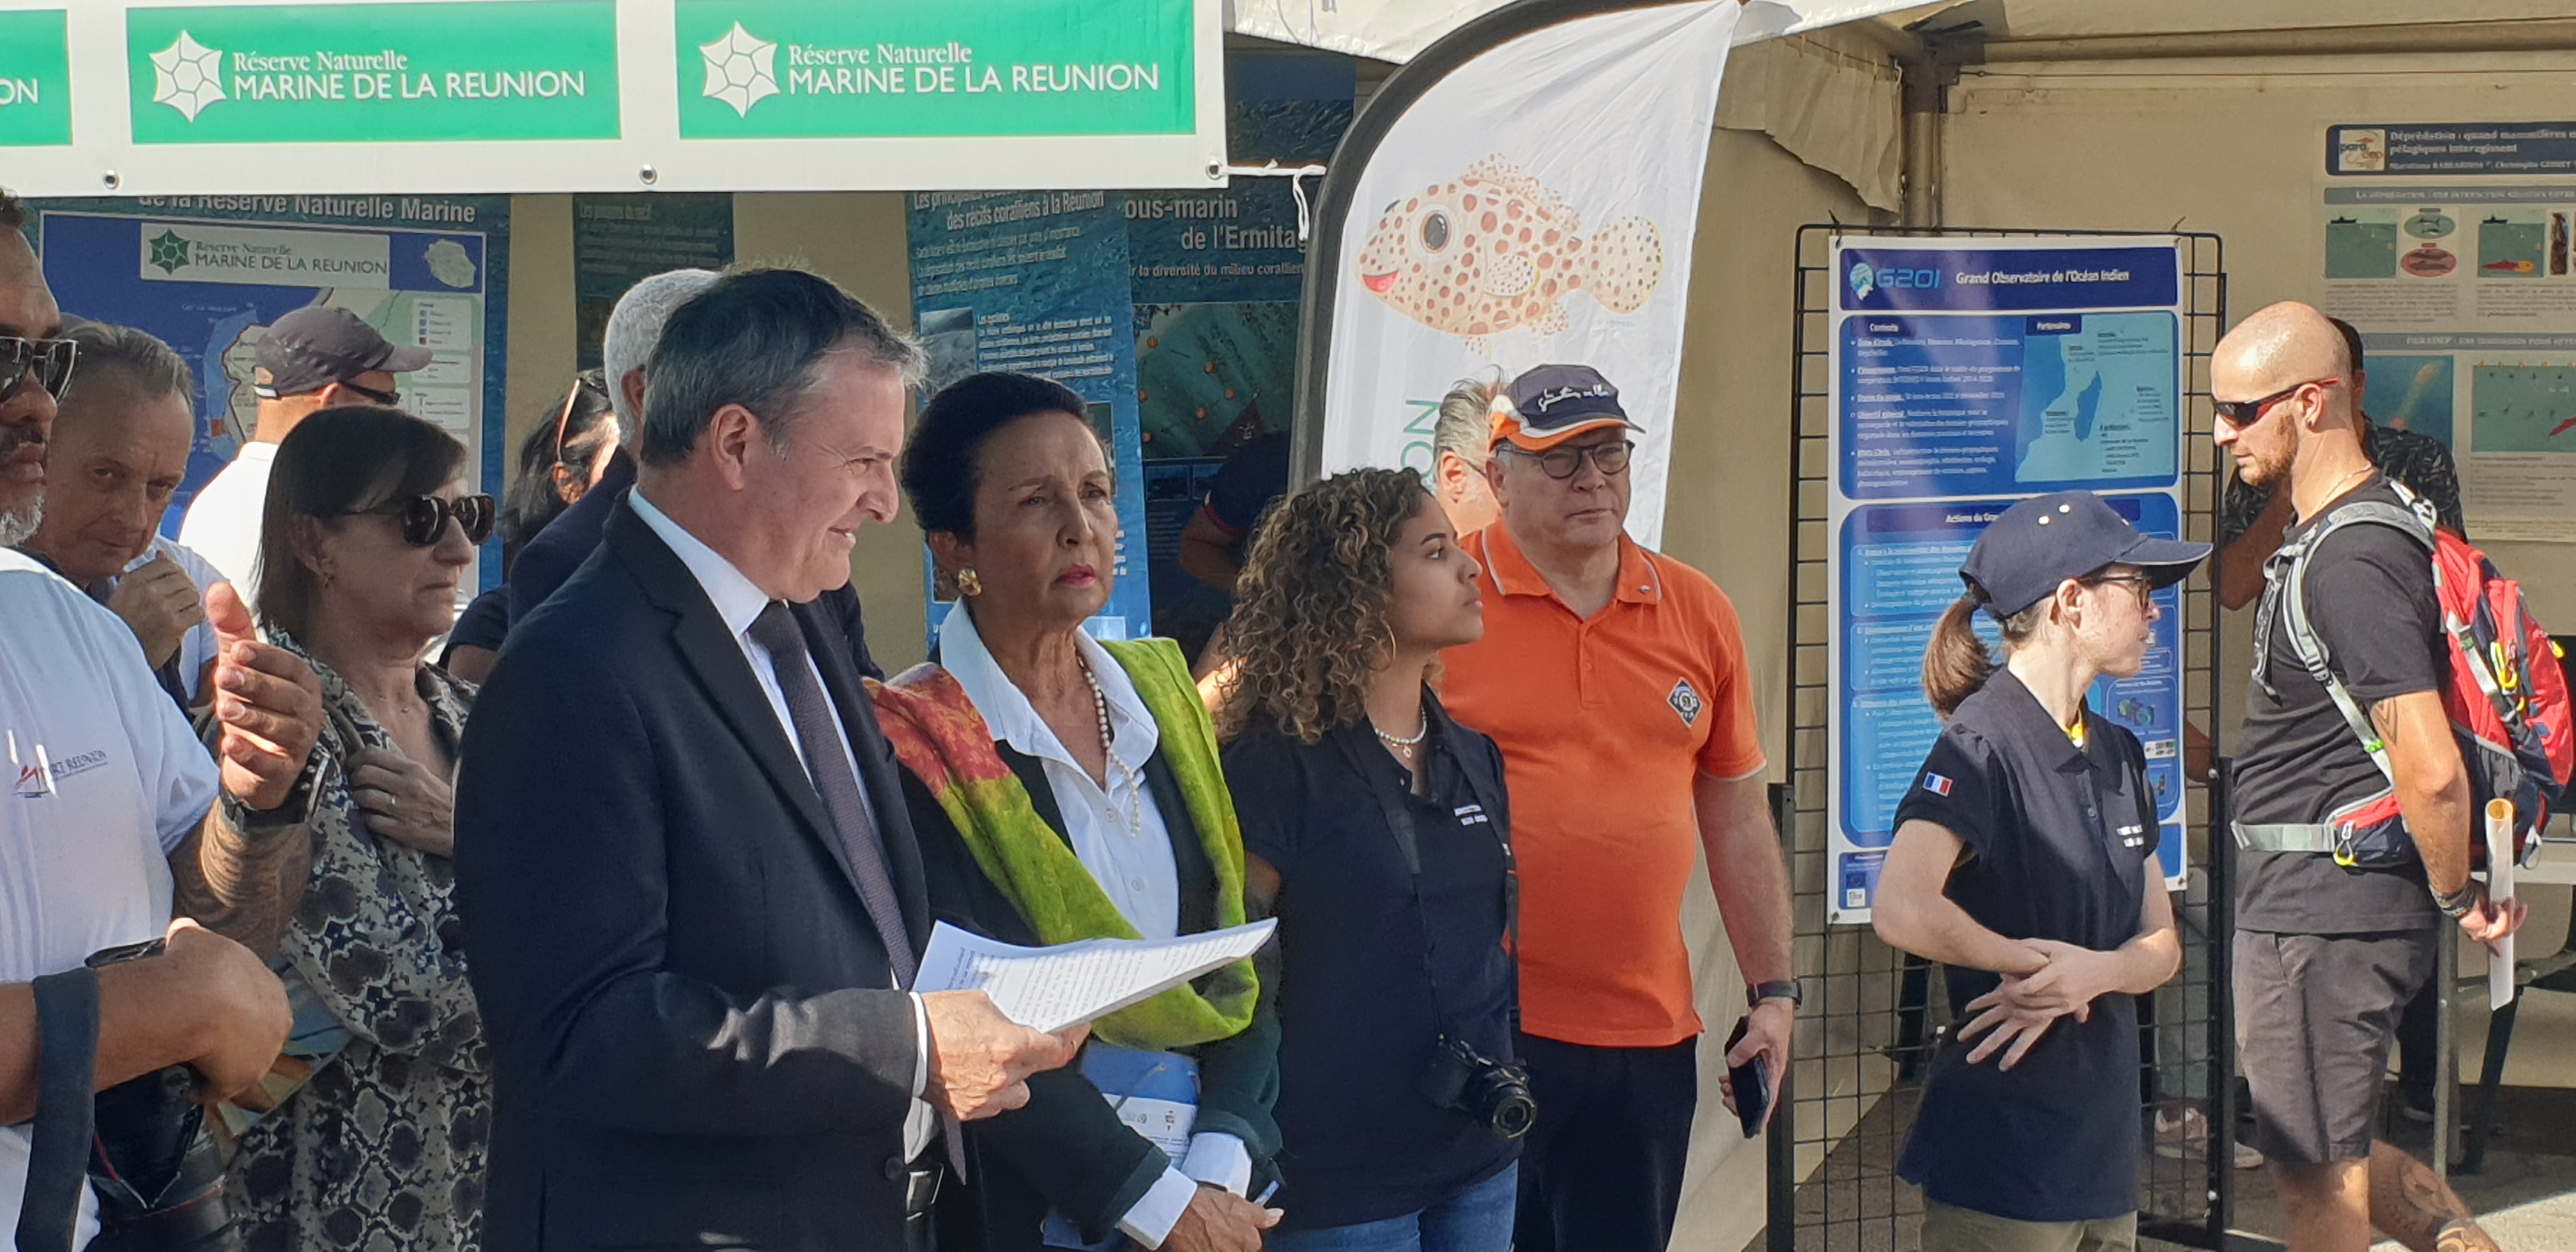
point(1604, 723)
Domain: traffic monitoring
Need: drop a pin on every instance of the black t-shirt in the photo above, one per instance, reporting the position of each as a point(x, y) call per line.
point(2370, 596)
point(2060, 842)
point(1357, 1021)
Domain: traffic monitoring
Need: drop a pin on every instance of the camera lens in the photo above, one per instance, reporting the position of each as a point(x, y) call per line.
point(1514, 1114)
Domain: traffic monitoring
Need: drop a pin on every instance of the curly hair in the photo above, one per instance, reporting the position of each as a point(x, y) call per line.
point(1310, 613)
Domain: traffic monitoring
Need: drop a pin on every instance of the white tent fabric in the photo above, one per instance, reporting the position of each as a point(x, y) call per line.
point(1397, 30)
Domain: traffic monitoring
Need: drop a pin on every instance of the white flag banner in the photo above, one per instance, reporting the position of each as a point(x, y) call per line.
point(1534, 206)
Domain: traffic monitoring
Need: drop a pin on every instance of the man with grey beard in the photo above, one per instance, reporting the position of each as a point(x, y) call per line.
point(116, 819)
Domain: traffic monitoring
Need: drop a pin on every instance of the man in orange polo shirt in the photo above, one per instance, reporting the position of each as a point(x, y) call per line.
point(1615, 681)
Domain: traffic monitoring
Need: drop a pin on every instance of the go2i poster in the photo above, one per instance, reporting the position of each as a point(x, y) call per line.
point(1968, 374)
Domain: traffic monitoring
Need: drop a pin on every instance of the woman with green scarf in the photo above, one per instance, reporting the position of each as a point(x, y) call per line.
point(1065, 789)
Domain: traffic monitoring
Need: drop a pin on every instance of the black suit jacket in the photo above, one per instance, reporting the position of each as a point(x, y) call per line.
point(1066, 1147)
point(549, 559)
point(696, 1040)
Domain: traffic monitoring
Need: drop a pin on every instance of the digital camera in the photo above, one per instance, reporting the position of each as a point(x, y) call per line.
point(1495, 1093)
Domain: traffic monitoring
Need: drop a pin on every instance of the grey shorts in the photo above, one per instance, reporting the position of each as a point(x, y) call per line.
point(2315, 1015)
point(1950, 1229)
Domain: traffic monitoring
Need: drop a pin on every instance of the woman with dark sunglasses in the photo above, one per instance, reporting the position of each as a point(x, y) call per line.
point(366, 532)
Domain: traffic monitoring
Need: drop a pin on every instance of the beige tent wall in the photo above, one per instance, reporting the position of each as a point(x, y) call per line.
point(2226, 147)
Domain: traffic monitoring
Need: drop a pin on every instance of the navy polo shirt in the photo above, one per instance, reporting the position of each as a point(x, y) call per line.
point(2058, 842)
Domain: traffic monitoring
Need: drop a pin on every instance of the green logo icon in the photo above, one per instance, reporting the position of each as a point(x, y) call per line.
point(169, 252)
point(741, 69)
point(187, 76)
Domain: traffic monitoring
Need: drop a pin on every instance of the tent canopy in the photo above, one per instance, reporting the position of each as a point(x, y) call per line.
point(1396, 30)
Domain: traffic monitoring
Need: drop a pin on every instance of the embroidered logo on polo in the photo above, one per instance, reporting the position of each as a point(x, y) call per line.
point(1471, 815)
point(1937, 784)
point(2132, 836)
point(1685, 701)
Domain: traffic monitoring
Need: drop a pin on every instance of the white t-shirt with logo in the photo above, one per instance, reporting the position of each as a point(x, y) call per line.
point(223, 522)
point(104, 779)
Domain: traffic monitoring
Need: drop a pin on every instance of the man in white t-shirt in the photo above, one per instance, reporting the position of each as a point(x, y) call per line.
point(314, 358)
point(119, 447)
point(113, 817)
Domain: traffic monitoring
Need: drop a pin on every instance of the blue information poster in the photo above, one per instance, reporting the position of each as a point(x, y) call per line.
point(1037, 281)
point(208, 274)
point(1968, 374)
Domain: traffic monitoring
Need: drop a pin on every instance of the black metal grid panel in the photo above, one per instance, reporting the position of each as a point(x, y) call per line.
point(1849, 1100)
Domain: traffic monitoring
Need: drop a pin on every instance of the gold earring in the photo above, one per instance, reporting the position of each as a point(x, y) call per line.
point(969, 582)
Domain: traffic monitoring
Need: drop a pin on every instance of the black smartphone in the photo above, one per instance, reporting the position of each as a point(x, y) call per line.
point(1752, 1083)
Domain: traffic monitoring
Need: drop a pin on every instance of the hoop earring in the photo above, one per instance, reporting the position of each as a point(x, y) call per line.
point(969, 583)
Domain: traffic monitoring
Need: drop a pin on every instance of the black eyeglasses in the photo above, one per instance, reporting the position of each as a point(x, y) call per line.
point(2139, 581)
point(2243, 413)
point(389, 399)
point(48, 361)
point(424, 518)
point(1609, 458)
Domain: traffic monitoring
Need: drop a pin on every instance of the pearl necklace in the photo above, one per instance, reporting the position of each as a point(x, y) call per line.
point(1404, 747)
point(1109, 751)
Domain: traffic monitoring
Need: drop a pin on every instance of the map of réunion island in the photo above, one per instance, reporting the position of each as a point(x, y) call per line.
point(2098, 401)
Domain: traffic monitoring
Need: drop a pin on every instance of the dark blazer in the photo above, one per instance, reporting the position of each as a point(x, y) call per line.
point(549, 559)
point(695, 1040)
point(1066, 1148)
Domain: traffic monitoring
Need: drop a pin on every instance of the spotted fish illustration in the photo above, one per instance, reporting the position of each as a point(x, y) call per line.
point(1497, 250)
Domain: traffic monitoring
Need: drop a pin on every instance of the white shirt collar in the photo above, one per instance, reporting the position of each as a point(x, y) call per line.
point(1015, 721)
point(738, 600)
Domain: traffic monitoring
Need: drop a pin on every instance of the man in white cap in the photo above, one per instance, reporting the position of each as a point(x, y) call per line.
point(314, 358)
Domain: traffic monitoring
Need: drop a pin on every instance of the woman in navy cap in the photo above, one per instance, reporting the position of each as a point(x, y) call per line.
point(2024, 862)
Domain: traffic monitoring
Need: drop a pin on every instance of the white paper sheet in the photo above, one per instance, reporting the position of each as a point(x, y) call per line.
point(2500, 889)
point(1053, 988)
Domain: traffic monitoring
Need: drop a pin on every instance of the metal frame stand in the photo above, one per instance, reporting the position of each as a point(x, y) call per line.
point(1846, 1108)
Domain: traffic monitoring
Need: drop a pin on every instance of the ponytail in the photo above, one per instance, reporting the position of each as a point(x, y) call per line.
point(1955, 662)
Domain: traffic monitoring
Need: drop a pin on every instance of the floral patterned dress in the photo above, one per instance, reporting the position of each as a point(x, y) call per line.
point(383, 1149)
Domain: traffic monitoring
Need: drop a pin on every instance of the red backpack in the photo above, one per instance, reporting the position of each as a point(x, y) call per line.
point(2507, 697)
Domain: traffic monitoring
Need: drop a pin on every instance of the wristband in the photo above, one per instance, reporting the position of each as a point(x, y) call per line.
point(1787, 990)
point(295, 810)
point(2458, 904)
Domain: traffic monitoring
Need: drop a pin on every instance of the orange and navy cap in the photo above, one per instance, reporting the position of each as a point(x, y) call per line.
point(1554, 403)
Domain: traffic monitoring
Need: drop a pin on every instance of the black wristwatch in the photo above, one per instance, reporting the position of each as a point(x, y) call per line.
point(1755, 994)
point(2458, 904)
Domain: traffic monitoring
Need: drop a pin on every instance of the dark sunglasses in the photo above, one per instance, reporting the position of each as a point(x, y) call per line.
point(424, 518)
point(1609, 458)
point(389, 399)
point(2243, 413)
point(49, 361)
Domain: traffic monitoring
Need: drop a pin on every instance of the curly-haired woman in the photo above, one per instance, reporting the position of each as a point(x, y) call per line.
point(1377, 831)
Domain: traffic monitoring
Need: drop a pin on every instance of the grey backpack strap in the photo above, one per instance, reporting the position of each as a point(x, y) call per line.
point(2292, 589)
point(58, 1151)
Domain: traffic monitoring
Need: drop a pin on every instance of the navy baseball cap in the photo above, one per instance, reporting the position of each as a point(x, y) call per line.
point(1554, 403)
point(318, 345)
point(2045, 540)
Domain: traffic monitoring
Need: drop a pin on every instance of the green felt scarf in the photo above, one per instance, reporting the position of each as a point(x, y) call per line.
point(938, 735)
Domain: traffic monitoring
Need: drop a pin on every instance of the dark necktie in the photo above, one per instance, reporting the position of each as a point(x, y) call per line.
point(811, 711)
point(776, 630)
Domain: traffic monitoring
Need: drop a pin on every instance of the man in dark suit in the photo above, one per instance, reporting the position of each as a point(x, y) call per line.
point(688, 883)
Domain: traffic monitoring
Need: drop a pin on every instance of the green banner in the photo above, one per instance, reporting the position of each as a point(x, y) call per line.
point(476, 70)
point(793, 69)
point(35, 79)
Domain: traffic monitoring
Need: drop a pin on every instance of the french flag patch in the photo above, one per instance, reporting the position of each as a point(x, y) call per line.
point(1937, 784)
